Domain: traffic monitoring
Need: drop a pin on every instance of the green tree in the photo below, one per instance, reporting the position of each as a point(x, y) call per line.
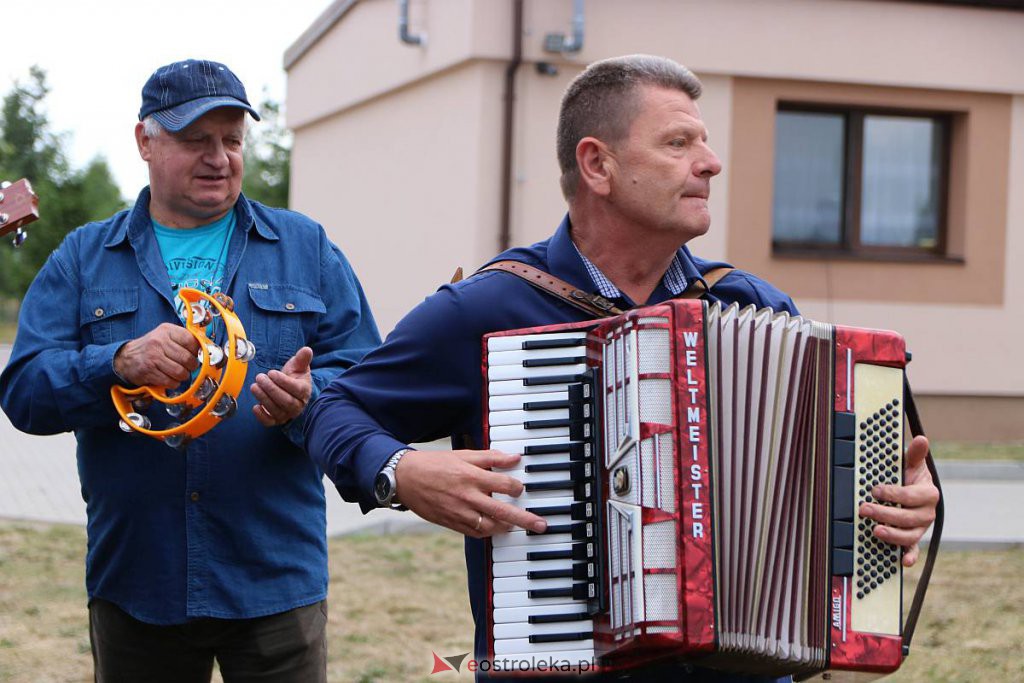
point(67, 198)
point(268, 158)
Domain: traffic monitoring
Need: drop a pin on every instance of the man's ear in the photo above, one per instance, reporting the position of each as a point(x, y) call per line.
point(595, 161)
point(143, 141)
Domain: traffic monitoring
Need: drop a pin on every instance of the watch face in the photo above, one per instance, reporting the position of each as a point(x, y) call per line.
point(382, 488)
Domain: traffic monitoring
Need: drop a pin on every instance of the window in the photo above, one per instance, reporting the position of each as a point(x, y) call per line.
point(858, 181)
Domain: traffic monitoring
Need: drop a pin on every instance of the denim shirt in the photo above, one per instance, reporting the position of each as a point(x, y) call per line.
point(425, 382)
point(234, 526)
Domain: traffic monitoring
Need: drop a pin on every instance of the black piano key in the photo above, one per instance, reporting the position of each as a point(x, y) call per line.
point(843, 452)
point(577, 511)
point(842, 535)
point(547, 424)
point(557, 618)
point(576, 470)
point(546, 405)
point(578, 591)
point(563, 485)
point(561, 637)
point(552, 343)
point(576, 451)
point(578, 552)
point(552, 379)
point(549, 362)
point(582, 571)
point(842, 562)
point(580, 531)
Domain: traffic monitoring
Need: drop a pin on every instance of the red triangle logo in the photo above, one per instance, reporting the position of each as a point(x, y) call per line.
point(440, 665)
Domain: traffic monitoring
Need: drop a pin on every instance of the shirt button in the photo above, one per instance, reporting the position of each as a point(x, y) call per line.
point(98, 312)
point(194, 496)
point(290, 306)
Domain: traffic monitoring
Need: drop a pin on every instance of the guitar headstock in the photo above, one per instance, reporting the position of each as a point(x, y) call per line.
point(19, 206)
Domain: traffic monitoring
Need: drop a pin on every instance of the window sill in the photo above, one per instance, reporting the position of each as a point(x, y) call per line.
point(797, 254)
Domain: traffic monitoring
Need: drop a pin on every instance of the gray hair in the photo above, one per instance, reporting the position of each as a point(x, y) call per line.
point(152, 128)
point(602, 101)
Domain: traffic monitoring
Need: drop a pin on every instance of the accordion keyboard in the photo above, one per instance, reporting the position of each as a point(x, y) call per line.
point(546, 586)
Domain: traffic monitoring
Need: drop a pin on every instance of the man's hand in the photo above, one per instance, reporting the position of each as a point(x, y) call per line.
point(164, 357)
point(905, 526)
point(453, 489)
point(284, 393)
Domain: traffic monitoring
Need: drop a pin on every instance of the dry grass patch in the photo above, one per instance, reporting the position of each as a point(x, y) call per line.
point(395, 599)
point(958, 450)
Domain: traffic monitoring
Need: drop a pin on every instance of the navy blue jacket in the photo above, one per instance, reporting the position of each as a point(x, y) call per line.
point(425, 381)
point(234, 527)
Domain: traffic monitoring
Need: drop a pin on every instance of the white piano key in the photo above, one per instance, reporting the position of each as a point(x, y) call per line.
point(516, 386)
point(545, 459)
point(517, 553)
point(524, 646)
point(517, 356)
point(516, 432)
point(515, 342)
point(505, 372)
point(509, 584)
point(506, 569)
point(522, 599)
point(525, 630)
point(527, 500)
point(519, 417)
point(515, 402)
point(519, 445)
point(519, 537)
point(510, 615)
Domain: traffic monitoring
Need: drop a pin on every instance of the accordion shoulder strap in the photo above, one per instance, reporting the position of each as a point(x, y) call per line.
point(594, 304)
point(698, 288)
point(916, 428)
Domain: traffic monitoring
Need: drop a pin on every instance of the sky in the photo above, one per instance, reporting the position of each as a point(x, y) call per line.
point(97, 56)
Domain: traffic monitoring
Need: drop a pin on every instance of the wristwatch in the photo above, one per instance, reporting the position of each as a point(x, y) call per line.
point(384, 486)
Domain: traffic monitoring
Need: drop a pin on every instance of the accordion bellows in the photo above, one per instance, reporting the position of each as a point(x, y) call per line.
point(701, 469)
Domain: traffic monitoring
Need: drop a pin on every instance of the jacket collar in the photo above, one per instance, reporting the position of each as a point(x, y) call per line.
point(139, 221)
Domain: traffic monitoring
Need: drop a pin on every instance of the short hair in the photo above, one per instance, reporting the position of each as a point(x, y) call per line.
point(602, 101)
point(152, 127)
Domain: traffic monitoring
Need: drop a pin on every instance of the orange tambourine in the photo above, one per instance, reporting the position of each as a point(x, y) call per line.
point(213, 394)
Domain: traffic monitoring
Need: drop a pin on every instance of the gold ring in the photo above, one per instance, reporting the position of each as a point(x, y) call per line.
point(479, 522)
point(266, 412)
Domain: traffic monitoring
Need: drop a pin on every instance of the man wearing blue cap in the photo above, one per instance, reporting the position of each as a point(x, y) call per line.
point(216, 551)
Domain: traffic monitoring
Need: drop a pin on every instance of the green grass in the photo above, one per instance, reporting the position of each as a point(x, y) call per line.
point(385, 621)
point(7, 332)
point(956, 450)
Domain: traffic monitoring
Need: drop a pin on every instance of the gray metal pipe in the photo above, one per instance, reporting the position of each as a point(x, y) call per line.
point(403, 26)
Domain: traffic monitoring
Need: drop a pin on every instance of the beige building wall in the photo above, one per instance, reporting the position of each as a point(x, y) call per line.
point(397, 150)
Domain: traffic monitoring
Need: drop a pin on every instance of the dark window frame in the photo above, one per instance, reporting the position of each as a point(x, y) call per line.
point(850, 245)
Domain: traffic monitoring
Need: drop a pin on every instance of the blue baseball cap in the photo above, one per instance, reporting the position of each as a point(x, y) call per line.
point(179, 93)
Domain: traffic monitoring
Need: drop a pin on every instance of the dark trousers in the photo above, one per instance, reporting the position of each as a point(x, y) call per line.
point(282, 648)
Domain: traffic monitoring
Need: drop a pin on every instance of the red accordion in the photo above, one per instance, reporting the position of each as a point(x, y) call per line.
point(700, 469)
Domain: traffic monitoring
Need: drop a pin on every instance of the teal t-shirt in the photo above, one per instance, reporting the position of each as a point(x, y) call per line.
point(195, 257)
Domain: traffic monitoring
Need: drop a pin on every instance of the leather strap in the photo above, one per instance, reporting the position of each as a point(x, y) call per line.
point(914, 420)
point(594, 304)
point(697, 289)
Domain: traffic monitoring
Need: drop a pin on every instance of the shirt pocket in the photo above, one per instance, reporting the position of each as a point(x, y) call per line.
point(281, 316)
point(108, 315)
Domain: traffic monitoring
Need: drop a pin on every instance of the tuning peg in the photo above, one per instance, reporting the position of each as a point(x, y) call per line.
point(225, 408)
point(139, 421)
point(19, 238)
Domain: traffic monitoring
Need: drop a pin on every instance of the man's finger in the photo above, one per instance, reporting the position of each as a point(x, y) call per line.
point(920, 494)
point(910, 555)
point(262, 416)
point(510, 514)
point(299, 363)
point(496, 482)
point(277, 395)
point(899, 536)
point(904, 518)
point(916, 452)
point(298, 388)
point(489, 459)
